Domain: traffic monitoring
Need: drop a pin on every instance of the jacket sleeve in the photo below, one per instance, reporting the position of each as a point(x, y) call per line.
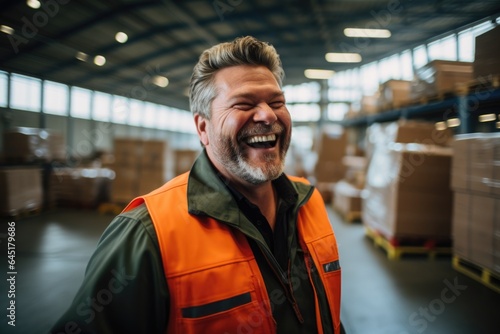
point(124, 289)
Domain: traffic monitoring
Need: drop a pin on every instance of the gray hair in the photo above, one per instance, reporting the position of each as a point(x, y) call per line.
point(242, 51)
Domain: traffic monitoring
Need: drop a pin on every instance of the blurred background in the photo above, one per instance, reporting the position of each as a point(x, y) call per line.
point(396, 118)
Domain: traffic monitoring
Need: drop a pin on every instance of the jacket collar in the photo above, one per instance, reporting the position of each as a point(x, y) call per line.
point(208, 195)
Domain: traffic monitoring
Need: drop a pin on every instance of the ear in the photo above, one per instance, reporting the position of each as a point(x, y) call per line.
point(202, 128)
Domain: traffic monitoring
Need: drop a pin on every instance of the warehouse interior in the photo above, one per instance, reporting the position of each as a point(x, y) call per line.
point(396, 121)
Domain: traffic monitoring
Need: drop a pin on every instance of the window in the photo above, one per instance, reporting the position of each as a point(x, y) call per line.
point(369, 78)
point(307, 92)
point(444, 48)
point(466, 45)
point(80, 102)
point(149, 115)
point(120, 110)
point(304, 112)
point(25, 93)
point(162, 118)
point(101, 107)
point(55, 98)
point(4, 81)
point(420, 56)
point(136, 115)
point(337, 111)
point(406, 65)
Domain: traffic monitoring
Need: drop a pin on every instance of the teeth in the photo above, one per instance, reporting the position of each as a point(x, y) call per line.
point(261, 139)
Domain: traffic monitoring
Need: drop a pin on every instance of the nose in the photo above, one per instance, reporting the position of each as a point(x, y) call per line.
point(264, 113)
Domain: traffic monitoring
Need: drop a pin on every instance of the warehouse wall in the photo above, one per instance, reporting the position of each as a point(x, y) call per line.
point(84, 137)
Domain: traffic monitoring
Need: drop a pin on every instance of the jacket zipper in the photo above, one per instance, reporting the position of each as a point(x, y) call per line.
point(283, 278)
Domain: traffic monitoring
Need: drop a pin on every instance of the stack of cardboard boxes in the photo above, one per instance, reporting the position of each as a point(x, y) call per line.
point(79, 187)
point(408, 181)
point(486, 60)
point(441, 77)
point(329, 167)
point(20, 190)
point(139, 165)
point(28, 145)
point(26, 154)
point(476, 183)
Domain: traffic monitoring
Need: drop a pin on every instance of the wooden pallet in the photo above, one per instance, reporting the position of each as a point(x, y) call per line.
point(350, 217)
point(23, 213)
point(480, 84)
point(476, 272)
point(397, 247)
point(111, 208)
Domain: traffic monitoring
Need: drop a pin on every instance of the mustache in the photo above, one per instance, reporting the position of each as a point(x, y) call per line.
point(260, 129)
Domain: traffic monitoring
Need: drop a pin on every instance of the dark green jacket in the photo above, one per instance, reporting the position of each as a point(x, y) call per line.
point(125, 291)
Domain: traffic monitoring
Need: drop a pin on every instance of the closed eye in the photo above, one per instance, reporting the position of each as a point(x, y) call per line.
point(277, 104)
point(243, 106)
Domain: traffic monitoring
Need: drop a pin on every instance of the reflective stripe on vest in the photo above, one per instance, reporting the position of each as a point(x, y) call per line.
point(214, 281)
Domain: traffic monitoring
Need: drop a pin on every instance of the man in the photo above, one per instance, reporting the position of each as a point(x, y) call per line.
point(233, 246)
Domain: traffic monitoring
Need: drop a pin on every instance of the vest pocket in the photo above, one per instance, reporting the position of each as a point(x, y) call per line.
point(327, 255)
point(216, 307)
point(226, 298)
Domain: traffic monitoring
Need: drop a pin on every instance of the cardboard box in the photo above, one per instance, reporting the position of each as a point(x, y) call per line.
point(394, 94)
point(20, 190)
point(26, 145)
point(80, 187)
point(183, 160)
point(408, 192)
point(405, 132)
point(440, 77)
point(347, 198)
point(127, 152)
point(329, 167)
point(486, 60)
point(476, 163)
point(476, 229)
point(154, 154)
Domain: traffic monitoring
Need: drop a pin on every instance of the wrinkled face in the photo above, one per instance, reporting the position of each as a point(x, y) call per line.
point(249, 132)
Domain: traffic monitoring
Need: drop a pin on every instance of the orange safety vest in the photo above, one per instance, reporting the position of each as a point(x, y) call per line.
point(213, 278)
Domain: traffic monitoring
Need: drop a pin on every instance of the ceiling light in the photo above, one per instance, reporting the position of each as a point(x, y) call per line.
point(160, 81)
point(334, 57)
point(487, 118)
point(82, 56)
point(99, 60)
point(35, 4)
point(121, 37)
point(6, 29)
point(440, 126)
point(453, 122)
point(498, 125)
point(370, 33)
point(318, 74)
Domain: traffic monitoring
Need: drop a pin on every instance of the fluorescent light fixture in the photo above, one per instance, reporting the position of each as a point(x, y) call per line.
point(99, 60)
point(160, 81)
point(370, 33)
point(498, 125)
point(82, 56)
point(35, 4)
point(6, 29)
point(441, 126)
point(334, 57)
point(121, 37)
point(318, 74)
point(453, 122)
point(487, 118)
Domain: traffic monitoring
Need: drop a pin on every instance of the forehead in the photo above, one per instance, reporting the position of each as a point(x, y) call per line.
point(245, 79)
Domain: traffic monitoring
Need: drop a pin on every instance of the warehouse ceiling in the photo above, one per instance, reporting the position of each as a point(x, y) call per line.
point(166, 37)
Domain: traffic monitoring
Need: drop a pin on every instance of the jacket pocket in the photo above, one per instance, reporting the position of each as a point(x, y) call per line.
point(326, 253)
point(220, 299)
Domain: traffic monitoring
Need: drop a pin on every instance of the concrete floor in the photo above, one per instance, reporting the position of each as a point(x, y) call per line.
point(412, 295)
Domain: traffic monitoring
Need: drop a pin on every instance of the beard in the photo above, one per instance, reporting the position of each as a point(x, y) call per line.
point(234, 155)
